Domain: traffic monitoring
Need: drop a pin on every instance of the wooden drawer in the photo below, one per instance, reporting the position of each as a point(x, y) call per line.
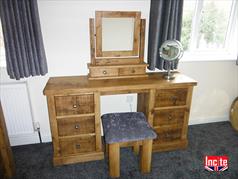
point(168, 135)
point(75, 126)
point(103, 72)
point(68, 105)
point(170, 97)
point(167, 117)
point(131, 71)
point(77, 145)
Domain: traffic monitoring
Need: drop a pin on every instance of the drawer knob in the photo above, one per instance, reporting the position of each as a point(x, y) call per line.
point(133, 71)
point(104, 72)
point(167, 135)
point(75, 106)
point(77, 146)
point(170, 117)
point(77, 126)
point(174, 99)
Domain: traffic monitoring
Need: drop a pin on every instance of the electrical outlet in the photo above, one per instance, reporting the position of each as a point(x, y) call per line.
point(36, 126)
point(129, 99)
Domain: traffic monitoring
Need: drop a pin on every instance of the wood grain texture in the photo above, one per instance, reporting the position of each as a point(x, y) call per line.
point(114, 159)
point(142, 40)
point(76, 126)
point(81, 84)
point(187, 112)
point(117, 61)
point(6, 156)
point(92, 40)
point(171, 97)
point(83, 157)
point(145, 158)
point(168, 117)
point(97, 121)
point(111, 58)
point(77, 145)
point(53, 125)
point(116, 71)
point(75, 104)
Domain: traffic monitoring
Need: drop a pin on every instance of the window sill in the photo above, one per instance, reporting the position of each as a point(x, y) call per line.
point(201, 57)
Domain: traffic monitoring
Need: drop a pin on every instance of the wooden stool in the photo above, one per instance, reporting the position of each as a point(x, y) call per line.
point(127, 127)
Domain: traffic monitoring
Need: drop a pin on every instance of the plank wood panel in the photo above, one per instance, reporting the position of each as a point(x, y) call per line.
point(81, 84)
point(6, 156)
point(76, 104)
point(75, 126)
point(53, 125)
point(146, 153)
point(166, 117)
point(114, 159)
point(168, 135)
point(92, 40)
point(97, 121)
point(77, 145)
point(170, 97)
point(142, 40)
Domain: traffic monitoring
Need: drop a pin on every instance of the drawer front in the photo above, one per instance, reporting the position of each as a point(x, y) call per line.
point(101, 72)
point(132, 71)
point(68, 105)
point(75, 126)
point(170, 97)
point(168, 135)
point(167, 117)
point(77, 145)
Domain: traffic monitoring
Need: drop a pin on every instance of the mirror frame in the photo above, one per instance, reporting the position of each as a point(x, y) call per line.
point(136, 39)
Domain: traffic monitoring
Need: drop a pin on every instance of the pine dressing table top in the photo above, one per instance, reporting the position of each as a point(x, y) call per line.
point(81, 84)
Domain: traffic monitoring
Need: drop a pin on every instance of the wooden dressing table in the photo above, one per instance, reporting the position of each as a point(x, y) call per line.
point(74, 112)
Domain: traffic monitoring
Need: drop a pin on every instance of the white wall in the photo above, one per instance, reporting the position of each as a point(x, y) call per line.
point(65, 31)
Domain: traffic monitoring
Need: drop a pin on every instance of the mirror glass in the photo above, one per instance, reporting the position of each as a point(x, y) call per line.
point(117, 34)
point(171, 50)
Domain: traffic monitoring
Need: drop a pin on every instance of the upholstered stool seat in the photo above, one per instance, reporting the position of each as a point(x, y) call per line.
point(119, 128)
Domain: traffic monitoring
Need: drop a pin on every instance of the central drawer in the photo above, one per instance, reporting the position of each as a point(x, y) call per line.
point(170, 97)
point(77, 145)
point(99, 72)
point(168, 117)
point(131, 71)
point(75, 126)
point(75, 104)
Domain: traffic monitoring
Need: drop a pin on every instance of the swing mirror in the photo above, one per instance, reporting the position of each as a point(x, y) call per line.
point(117, 34)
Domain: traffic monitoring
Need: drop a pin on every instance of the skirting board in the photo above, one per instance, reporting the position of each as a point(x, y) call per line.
point(207, 120)
point(24, 139)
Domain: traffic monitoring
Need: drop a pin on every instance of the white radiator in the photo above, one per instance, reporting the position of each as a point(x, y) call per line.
point(17, 112)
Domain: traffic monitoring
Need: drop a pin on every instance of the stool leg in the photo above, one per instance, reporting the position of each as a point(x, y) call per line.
point(136, 148)
point(106, 150)
point(114, 159)
point(145, 158)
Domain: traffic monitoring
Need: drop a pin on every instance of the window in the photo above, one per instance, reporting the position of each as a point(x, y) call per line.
point(209, 29)
point(2, 49)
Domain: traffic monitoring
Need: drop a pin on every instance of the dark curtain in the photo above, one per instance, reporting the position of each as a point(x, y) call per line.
point(25, 54)
point(165, 24)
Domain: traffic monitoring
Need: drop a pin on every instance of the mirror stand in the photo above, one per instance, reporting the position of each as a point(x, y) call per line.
point(116, 63)
point(169, 75)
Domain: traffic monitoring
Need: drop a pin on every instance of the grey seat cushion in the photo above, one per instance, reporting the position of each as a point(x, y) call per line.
point(125, 127)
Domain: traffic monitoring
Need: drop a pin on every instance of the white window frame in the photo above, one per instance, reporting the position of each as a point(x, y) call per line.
point(230, 50)
point(2, 53)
